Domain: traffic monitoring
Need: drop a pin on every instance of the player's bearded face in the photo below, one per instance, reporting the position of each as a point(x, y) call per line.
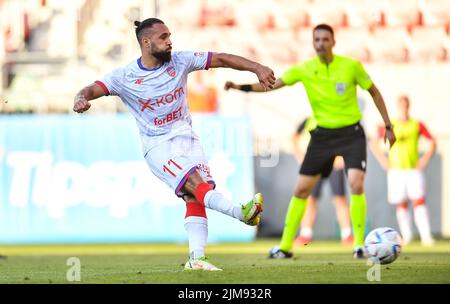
point(163, 55)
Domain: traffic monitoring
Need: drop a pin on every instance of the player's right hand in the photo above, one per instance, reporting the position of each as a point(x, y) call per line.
point(266, 77)
point(81, 104)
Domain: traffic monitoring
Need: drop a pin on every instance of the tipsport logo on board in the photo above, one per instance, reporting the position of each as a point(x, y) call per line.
point(36, 178)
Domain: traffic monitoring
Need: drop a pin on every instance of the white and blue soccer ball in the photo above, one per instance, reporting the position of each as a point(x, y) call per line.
point(383, 245)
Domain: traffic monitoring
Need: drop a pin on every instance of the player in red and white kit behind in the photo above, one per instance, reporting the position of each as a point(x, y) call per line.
point(405, 176)
point(153, 87)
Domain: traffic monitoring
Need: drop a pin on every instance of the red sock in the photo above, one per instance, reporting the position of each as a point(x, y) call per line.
point(195, 209)
point(201, 191)
point(403, 205)
point(418, 202)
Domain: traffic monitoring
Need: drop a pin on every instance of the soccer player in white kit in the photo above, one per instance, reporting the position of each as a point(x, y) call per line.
point(153, 87)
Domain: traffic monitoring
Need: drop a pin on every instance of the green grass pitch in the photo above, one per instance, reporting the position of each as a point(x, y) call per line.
point(320, 262)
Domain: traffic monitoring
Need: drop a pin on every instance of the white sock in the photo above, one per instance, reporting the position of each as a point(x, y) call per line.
point(345, 233)
point(306, 232)
point(423, 223)
point(404, 224)
point(197, 230)
point(216, 201)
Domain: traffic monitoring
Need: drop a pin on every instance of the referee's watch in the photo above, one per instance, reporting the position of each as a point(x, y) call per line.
point(388, 127)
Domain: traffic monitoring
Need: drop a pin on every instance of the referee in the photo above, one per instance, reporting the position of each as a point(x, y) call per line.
point(330, 83)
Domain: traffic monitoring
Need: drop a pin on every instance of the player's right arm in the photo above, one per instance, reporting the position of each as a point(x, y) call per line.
point(90, 92)
point(291, 76)
point(255, 87)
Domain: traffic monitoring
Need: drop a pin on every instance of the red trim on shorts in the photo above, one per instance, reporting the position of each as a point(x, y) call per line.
point(208, 60)
point(103, 87)
point(195, 209)
point(212, 184)
point(201, 191)
point(184, 179)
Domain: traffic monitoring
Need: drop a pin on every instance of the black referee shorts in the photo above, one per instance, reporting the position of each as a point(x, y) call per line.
point(325, 144)
point(337, 183)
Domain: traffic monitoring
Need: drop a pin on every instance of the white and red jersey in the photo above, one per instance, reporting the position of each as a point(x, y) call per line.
point(157, 97)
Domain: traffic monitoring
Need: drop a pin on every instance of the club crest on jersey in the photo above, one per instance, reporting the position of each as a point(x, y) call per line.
point(171, 71)
point(340, 87)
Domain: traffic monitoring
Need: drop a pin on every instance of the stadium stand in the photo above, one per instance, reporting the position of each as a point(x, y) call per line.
point(355, 42)
point(44, 42)
point(391, 44)
point(436, 47)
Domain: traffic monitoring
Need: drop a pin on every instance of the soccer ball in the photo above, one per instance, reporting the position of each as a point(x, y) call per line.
point(383, 245)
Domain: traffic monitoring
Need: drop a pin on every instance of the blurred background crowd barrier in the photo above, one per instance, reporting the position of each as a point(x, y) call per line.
point(83, 179)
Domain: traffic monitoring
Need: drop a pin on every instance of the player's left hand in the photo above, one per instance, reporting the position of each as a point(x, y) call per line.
point(390, 136)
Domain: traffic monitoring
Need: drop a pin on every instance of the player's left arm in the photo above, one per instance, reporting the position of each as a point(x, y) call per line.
point(375, 147)
point(381, 106)
point(265, 74)
point(363, 79)
point(425, 159)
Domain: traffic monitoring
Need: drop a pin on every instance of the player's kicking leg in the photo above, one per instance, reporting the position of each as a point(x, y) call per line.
point(202, 195)
point(249, 213)
point(181, 164)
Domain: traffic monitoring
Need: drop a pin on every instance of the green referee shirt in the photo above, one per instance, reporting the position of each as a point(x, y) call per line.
point(331, 89)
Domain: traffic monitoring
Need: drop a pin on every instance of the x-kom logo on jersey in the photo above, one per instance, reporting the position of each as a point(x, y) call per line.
point(161, 101)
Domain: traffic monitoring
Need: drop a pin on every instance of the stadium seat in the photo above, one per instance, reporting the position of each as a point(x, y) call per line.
point(390, 44)
point(403, 13)
point(216, 14)
point(330, 12)
point(354, 42)
point(260, 15)
point(429, 44)
point(281, 46)
point(366, 13)
point(296, 14)
point(177, 17)
point(437, 12)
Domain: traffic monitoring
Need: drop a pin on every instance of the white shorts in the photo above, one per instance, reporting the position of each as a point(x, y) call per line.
point(404, 185)
point(173, 160)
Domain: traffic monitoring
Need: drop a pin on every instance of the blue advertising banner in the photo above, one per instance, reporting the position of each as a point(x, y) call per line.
point(79, 179)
